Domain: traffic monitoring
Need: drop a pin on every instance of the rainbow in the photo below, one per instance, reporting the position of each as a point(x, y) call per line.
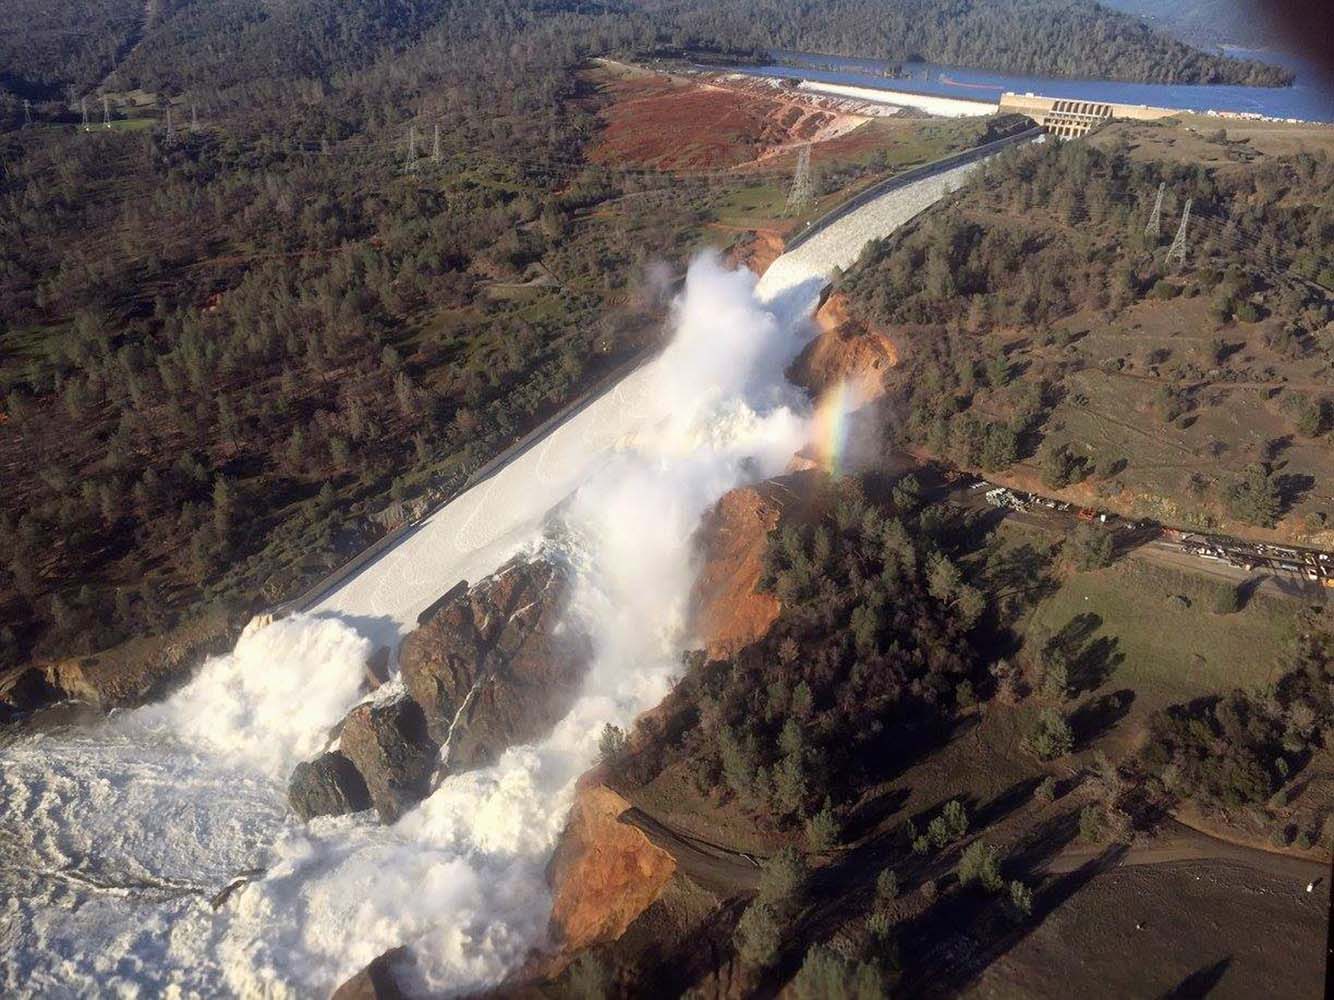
point(830, 426)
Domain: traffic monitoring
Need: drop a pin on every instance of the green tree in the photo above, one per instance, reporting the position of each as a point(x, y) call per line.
point(1091, 547)
point(827, 975)
point(980, 864)
point(1050, 737)
point(758, 936)
point(1256, 498)
point(822, 829)
point(1020, 901)
point(611, 744)
point(782, 878)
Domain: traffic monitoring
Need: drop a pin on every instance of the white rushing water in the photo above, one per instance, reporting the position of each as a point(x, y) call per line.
point(112, 837)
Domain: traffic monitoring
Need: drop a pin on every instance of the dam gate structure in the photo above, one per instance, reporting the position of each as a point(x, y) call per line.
point(1072, 119)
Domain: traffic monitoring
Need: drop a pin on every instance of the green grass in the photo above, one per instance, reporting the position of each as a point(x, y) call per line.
point(1171, 652)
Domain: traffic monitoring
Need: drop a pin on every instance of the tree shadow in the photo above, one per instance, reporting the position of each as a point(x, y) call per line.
point(1247, 588)
point(965, 933)
point(1099, 715)
point(996, 809)
point(1089, 661)
point(1293, 488)
point(1201, 982)
point(874, 812)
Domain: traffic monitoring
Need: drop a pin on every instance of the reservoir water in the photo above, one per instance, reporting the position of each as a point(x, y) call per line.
point(1310, 98)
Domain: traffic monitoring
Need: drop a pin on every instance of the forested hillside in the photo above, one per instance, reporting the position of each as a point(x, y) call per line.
point(1037, 312)
point(1046, 37)
point(181, 45)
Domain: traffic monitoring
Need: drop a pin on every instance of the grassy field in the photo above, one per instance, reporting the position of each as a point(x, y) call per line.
point(1159, 634)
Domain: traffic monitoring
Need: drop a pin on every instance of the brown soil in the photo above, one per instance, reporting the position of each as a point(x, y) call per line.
point(671, 123)
point(845, 351)
point(756, 249)
point(604, 873)
point(727, 612)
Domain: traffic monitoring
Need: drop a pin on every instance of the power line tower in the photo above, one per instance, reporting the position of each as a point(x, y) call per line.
point(802, 194)
point(435, 146)
point(410, 164)
point(27, 111)
point(1178, 248)
point(106, 111)
point(171, 127)
point(83, 108)
point(1156, 218)
point(194, 117)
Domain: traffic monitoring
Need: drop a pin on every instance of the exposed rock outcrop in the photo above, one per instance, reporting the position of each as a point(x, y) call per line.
point(603, 874)
point(390, 746)
point(141, 669)
point(494, 666)
point(377, 981)
point(846, 351)
point(488, 667)
point(329, 785)
point(727, 612)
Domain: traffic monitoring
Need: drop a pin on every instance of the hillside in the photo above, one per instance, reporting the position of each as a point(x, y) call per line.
point(62, 49)
point(1046, 334)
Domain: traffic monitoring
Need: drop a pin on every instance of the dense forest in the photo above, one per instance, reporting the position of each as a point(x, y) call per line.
point(63, 50)
point(230, 335)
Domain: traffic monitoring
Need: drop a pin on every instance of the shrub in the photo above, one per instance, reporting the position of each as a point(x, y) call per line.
point(1248, 312)
point(1046, 790)
point(980, 864)
point(1091, 824)
point(1020, 901)
point(886, 886)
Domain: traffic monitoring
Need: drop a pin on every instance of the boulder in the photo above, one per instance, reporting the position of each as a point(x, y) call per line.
point(375, 982)
point(329, 785)
point(494, 665)
point(389, 745)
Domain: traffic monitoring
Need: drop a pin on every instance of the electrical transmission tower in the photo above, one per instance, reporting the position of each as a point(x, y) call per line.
point(83, 107)
point(435, 146)
point(171, 128)
point(106, 111)
point(1155, 220)
point(410, 165)
point(1178, 249)
point(802, 194)
point(194, 118)
point(27, 111)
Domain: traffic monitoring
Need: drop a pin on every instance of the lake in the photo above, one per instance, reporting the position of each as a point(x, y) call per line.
point(1310, 98)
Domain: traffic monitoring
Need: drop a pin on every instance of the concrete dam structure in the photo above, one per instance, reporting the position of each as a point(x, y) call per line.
point(1070, 119)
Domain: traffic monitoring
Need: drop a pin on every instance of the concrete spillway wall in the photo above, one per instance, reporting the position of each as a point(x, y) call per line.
point(946, 107)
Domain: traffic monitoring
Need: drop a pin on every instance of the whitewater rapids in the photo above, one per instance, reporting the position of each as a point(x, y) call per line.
point(113, 837)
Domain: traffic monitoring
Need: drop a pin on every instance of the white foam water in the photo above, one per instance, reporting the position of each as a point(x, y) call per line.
point(116, 835)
